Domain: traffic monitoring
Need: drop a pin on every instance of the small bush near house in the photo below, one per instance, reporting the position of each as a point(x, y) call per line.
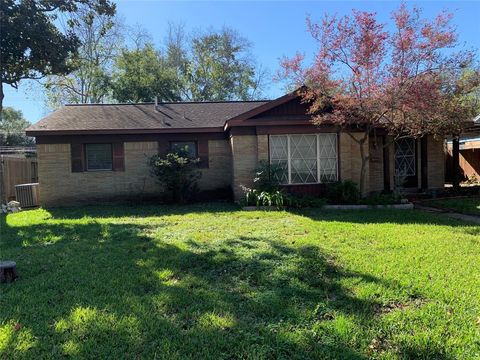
point(254, 197)
point(267, 176)
point(343, 192)
point(382, 199)
point(178, 174)
point(305, 201)
point(267, 190)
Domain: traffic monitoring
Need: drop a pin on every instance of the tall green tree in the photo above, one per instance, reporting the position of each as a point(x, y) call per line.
point(177, 56)
point(101, 38)
point(143, 74)
point(31, 45)
point(217, 65)
point(12, 128)
point(221, 67)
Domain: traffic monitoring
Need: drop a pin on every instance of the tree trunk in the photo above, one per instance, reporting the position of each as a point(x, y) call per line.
point(8, 271)
point(364, 157)
point(363, 169)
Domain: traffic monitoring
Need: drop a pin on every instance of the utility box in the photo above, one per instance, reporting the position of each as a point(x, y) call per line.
point(27, 195)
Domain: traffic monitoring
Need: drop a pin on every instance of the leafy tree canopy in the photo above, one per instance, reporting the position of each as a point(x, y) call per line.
point(13, 121)
point(215, 66)
point(101, 38)
point(141, 75)
point(221, 67)
point(12, 128)
point(31, 46)
point(408, 80)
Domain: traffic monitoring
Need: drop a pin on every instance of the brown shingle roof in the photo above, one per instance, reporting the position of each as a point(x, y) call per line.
point(131, 117)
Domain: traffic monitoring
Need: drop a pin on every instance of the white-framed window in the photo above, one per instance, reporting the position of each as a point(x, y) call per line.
point(98, 157)
point(305, 159)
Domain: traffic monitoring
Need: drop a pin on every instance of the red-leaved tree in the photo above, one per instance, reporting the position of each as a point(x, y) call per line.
point(409, 80)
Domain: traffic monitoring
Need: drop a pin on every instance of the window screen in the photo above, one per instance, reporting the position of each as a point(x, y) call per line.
point(304, 159)
point(327, 157)
point(99, 156)
point(279, 156)
point(405, 164)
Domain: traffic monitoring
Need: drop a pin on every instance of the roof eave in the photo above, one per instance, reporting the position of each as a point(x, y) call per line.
point(237, 120)
point(36, 132)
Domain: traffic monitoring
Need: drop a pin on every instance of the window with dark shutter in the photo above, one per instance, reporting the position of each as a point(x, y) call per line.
point(203, 153)
point(118, 157)
point(98, 157)
point(77, 157)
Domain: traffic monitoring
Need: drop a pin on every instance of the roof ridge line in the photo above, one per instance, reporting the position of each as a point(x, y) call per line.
point(212, 102)
point(111, 104)
point(172, 102)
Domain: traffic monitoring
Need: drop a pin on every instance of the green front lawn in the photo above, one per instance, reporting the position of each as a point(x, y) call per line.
point(465, 205)
point(212, 282)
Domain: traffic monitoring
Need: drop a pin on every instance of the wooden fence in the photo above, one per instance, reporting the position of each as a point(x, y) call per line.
point(13, 171)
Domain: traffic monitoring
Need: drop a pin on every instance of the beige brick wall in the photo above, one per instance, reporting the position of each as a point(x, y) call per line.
point(263, 151)
point(219, 171)
point(376, 164)
point(436, 163)
point(59, 186)
point(244, 160)
point(351, 161)
point(231, 163)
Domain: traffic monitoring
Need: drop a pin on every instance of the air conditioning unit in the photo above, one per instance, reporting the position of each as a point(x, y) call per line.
point(27, 194)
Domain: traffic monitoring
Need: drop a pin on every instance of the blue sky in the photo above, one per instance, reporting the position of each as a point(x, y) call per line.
point(275, 28)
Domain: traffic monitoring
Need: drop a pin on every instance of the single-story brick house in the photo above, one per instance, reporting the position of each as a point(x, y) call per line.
point(89, 152)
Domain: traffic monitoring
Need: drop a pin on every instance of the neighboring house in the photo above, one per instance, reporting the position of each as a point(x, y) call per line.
point(88, 152)
point(468, 153)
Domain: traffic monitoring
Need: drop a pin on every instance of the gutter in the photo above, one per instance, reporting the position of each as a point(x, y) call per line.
point(37, 133)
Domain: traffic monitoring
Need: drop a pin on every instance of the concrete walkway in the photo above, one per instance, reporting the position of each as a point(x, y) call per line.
point(451, 214)
point(470, 218)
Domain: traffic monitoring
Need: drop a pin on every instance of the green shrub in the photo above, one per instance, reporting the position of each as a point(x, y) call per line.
point(254, 197)
point(267, 177)
point(267, 190)
point(305, 201)
point(343, 192)
point(382, 199)
point(178, 174)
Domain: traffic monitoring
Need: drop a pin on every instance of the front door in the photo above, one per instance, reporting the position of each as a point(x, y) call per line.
point(405, 163)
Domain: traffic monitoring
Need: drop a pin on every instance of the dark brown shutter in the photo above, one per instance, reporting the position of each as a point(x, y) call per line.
point(118, 163)
point(424, 161)
point(77, 157)
point(163, 148)
point(202, 147)
point(386, 164)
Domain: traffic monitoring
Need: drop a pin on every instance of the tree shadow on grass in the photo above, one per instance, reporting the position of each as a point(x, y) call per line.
point(382, 216)
point(370, 216)
point(99, 290)
point(139, 210)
